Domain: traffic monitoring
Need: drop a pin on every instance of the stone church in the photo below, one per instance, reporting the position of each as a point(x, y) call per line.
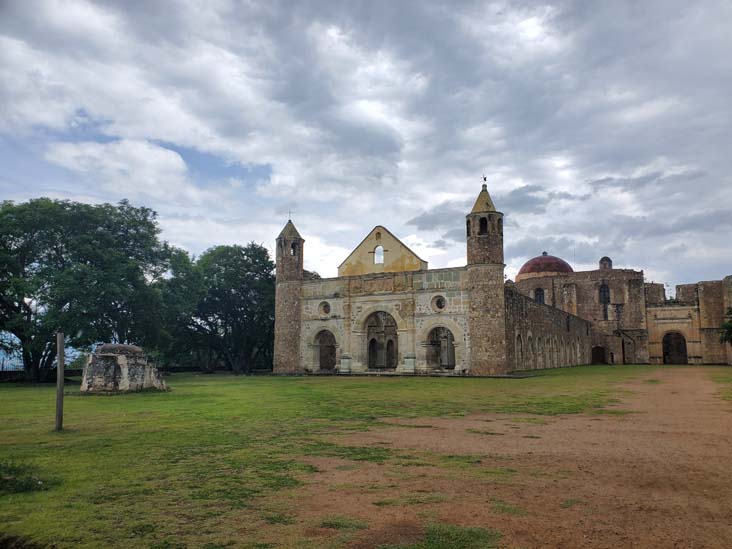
point(386, 311)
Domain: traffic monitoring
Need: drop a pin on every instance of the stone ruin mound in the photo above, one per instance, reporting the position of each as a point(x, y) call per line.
point(115, 368)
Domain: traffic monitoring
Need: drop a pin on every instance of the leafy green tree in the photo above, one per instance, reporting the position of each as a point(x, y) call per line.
point(87, 270)
point(182, 291)
point(726, 328)
point(235, 317)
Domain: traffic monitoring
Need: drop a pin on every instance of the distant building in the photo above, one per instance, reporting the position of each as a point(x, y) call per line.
point(386, 311)
point(632, 320)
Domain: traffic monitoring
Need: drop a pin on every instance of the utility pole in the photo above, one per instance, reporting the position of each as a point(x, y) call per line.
point(60, 382)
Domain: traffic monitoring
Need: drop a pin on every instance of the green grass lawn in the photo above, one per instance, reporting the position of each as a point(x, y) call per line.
point(180, 468)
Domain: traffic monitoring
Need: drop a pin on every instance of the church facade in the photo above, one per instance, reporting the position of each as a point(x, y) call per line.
point(386, 311)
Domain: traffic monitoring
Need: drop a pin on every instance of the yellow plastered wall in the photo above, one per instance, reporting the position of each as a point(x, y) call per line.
point(397, 256)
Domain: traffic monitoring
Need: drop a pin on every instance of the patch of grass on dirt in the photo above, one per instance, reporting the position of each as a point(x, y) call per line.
point(16, 478)
point(448, 536)
point(406, 425)
point(460, 461)
point(567, 503)
point(614, 412)
point(479, 432)
point(385, 502)
point(355, 453)
point(343, 523)
point(533, 420)
point(506, 508)
point(499, 473)
point(278, 518)
point(652, 381)
point(532, 436)
point(725, 379)
point(426, 498)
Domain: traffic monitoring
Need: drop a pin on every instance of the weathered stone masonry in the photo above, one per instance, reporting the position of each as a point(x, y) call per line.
point(388, 312)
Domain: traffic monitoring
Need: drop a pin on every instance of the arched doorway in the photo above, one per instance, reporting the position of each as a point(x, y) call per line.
point(674, 349)
point(373, 351)
point(383, 341)
point(441, 349)
point(326, 344)
point(598, 355)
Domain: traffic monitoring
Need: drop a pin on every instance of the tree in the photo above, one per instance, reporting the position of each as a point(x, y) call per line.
point(86, 270)
point(181, 293)
point(726, 328)
point(235, 317)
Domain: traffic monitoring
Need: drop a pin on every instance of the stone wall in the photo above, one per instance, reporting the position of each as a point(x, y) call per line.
point(655, 293)
point(342, 306)
point(119, 368)
point(487, 320)
point(539, 336)
point(696, 314)
point(621, 322)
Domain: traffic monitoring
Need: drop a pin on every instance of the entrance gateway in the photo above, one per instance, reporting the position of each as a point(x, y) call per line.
point(674, 349)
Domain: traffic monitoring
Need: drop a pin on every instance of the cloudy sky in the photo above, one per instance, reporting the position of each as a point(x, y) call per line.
point(604, 128)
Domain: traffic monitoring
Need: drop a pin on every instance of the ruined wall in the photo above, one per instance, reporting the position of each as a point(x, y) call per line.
point(655, 293)
point(674, 317)
point(622, 322)
point(396, 256)
point(711, 316)
point(696, 314)
point(687, 293)
point(116, 368)
point(540, 336)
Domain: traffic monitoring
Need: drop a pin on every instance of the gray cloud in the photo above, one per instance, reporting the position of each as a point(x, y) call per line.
point(603, 128)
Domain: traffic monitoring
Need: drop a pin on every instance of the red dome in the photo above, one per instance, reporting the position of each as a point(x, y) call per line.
point(544, 264)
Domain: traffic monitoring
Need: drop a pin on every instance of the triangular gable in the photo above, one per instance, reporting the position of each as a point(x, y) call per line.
point(397, 256)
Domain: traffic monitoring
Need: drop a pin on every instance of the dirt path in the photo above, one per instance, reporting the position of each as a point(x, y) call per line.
point(661, 477)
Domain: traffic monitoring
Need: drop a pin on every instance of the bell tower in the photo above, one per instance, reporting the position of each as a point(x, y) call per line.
point(289, 275)
point(484, 231)
point(487, 313)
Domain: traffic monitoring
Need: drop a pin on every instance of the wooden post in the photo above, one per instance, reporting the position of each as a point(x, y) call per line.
point(60, 381)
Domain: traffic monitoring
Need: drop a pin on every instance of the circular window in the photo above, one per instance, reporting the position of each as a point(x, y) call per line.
point(439, 303)
point(324, 308)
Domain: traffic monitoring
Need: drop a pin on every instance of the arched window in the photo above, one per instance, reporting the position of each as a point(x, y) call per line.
point(604, 299)
point(467, 226)
point(293, 248)
point(500, 226)
point(483, 228)
point(604, 294)
point(379, 254)
point(539, 295)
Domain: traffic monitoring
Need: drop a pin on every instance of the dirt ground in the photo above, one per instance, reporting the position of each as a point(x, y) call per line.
point(658, 477)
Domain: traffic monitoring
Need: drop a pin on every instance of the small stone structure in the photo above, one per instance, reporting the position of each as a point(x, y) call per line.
point(120, 368)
